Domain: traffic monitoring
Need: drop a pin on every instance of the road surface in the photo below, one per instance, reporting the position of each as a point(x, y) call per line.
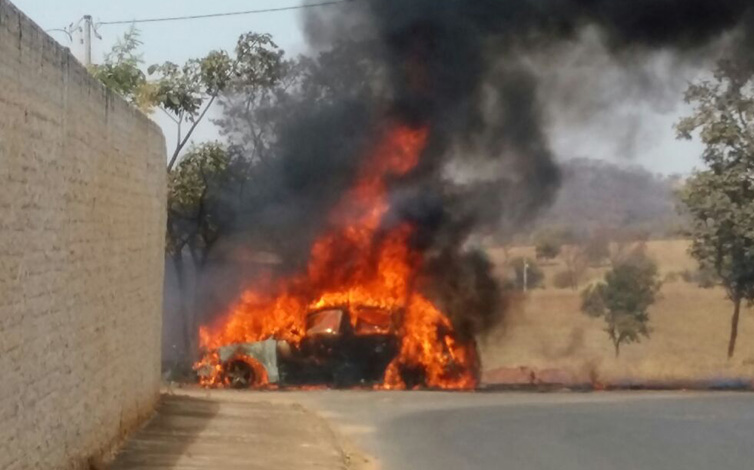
point(569, 431)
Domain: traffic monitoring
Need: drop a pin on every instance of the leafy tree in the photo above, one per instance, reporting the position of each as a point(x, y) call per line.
point(704, 278)
point(187, 92)
point(203, 188)
point(253, 115)
point(533, 273)
point(199, 212)
point(192, 189)
point(201, 203)
point(623, 300)
point(121, 72)
point(255, 119)
point(720, 198)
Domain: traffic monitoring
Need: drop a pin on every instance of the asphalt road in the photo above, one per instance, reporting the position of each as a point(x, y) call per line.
point(570, 431)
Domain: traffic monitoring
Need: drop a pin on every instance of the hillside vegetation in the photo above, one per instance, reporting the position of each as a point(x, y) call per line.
point(545, 328)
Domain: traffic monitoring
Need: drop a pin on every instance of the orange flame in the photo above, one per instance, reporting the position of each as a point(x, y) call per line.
point(358, 262)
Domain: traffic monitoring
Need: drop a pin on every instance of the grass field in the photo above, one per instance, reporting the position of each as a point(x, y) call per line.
point(690, 327)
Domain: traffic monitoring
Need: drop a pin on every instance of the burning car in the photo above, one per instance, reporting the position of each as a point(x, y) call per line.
point(342, 346)
point(356, 315)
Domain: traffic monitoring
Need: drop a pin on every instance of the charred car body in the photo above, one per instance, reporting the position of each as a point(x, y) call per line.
point(342, 347)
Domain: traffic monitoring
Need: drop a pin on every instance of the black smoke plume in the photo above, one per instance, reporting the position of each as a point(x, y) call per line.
point(468, 70)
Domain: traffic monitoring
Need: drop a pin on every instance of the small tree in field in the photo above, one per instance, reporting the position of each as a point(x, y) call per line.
point(720, 198)
point(623, 300)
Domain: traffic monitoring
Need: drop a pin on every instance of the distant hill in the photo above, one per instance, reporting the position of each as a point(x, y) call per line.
point(599, 195)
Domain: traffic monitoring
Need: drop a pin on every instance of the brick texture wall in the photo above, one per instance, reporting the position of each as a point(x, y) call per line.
point(82, 191)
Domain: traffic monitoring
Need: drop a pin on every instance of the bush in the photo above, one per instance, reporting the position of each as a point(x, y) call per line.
point(704, 278)
point(623, 300)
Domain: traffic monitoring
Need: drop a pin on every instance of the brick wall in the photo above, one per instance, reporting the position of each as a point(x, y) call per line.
point(82, 190)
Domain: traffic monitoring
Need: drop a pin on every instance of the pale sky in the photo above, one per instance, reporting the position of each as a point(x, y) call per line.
point(174, 41)
point(655, 147)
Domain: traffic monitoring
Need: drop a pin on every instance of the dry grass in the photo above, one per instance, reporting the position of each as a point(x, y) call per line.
point(690, 328)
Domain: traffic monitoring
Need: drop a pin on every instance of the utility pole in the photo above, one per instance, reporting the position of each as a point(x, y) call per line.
point(88, 40)
point(526, 274)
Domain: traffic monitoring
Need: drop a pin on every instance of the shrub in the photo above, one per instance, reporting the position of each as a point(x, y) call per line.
point(623, 300)
point(704, 278)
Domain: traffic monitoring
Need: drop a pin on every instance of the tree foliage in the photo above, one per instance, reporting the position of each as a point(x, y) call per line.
point(204, 188)
point(187, 92)
point(720, 198)
point(199, 214)
point(198, 199)
point(254, 113)
point(121, 70)
point(623, 300)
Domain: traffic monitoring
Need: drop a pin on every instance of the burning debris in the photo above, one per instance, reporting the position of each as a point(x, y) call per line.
point(362, 193)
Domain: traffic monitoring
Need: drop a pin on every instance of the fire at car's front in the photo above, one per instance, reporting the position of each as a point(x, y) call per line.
point(369, 264)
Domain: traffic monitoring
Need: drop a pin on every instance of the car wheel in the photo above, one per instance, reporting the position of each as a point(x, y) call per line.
point(239, 374)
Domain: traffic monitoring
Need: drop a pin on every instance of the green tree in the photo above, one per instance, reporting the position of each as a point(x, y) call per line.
point(121, 72)
point(720, 198)
point(199, 196)
point(253, 114)
point(203, 187)
point(186, 93)
point(192, 190)
point(255, 120)
point(623, 300)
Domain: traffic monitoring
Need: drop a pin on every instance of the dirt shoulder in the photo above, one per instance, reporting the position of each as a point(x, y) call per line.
point(195, 429)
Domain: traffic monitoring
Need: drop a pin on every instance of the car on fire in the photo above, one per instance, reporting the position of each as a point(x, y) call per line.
point(344, 346)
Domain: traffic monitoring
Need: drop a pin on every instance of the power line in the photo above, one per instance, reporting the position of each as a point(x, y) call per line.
point(218, 15)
